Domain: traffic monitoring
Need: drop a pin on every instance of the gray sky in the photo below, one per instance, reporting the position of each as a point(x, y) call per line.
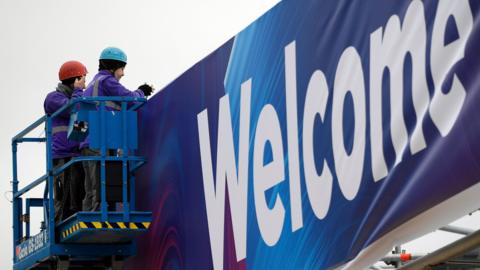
point(161, 38)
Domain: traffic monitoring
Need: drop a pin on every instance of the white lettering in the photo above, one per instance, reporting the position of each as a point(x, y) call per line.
point(444, 108)
point(226, 170)
point(389, 51)
point(319, 187)
point(292, 136)
point(270, 221)
point(349, 78)
point(389, 48)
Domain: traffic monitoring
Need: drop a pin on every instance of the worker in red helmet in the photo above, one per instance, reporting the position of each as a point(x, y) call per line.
point(68, 186)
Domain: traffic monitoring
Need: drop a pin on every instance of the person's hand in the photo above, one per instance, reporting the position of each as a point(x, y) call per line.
point(146, 89)
point(79, 83)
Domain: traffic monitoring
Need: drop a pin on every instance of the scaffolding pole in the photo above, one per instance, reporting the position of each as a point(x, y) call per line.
point(456, 229)
point(446, 253)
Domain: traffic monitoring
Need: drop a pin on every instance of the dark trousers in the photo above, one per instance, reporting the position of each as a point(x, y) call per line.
point(91, 202)
point(92, 199)
point(68, 189)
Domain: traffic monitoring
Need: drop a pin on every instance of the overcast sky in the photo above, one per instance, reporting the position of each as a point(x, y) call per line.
point(161, 38)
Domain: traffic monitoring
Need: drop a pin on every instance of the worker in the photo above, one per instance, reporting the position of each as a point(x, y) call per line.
point(106, 82)
point(68, 186)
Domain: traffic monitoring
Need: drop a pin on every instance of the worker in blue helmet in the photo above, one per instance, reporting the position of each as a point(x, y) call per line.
point(106, 82)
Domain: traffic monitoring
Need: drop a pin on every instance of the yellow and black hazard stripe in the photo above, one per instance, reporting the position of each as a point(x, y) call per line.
point(105, 225)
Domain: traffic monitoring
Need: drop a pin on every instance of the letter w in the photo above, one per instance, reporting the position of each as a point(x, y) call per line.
point(226, 173)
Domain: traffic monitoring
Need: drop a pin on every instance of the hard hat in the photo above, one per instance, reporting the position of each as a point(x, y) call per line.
point(113, 53)
point(71, 69)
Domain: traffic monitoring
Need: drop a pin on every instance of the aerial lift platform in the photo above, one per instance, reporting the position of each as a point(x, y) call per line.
point(85, 240)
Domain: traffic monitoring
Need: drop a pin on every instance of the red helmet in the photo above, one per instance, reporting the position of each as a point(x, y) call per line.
point(71, 69)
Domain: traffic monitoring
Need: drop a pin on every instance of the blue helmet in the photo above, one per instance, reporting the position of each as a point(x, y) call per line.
point(113, 53)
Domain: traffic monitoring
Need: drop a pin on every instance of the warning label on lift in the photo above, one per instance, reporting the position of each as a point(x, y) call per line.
point(31, 245)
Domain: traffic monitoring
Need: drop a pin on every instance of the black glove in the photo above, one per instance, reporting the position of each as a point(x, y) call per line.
point(146, 89)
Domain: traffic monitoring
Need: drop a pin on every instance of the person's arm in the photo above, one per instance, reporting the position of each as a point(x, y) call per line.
point(55, 101)
point(112, 87)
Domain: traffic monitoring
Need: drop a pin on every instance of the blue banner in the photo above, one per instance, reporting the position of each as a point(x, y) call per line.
point(309, 136)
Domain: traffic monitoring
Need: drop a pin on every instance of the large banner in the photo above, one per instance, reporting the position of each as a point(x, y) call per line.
point(317, 138)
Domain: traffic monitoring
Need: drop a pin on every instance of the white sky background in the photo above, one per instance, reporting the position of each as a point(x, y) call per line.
point(161, 38)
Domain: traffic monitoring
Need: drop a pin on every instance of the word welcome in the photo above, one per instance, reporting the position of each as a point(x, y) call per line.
point(389, 48)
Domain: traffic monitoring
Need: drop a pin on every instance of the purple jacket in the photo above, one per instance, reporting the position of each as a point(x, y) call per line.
point(105, 84)
point(61, 146)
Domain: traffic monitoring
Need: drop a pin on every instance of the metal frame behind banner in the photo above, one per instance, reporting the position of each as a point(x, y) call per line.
point(463, 253)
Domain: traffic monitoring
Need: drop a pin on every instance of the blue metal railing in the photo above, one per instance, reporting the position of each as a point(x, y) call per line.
point(126, 159)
